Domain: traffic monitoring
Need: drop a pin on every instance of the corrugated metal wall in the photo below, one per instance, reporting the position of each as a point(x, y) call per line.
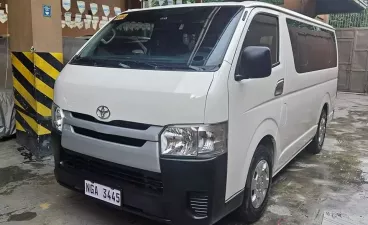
point(5, 65)
point(353, 59)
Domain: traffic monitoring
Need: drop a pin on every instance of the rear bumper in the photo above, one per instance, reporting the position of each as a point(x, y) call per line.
point(173, 196)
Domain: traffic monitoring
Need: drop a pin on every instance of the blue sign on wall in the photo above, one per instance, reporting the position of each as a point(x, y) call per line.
point(46, 10)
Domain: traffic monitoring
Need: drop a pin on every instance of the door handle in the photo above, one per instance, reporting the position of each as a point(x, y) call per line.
point(279, 87)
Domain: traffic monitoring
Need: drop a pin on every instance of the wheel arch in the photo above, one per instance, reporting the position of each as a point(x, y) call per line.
point(325, 104)
point(267, 133)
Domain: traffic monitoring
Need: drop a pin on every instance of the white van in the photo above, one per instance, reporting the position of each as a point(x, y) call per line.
point(184, 113)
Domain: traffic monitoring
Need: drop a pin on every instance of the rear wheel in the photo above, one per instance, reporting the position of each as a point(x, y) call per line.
point(315, 146)
point(257, 187)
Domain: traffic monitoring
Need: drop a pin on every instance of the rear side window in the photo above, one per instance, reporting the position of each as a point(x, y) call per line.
point(264, 31)
point(314, 48)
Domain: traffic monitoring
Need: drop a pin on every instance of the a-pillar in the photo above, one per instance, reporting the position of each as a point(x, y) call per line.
point(36, 47)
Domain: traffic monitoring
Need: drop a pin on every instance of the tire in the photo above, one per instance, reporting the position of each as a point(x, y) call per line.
point(251, 211)
point(315, 146)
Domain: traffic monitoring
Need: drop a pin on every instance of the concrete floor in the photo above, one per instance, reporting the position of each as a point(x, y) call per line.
point(329, 188)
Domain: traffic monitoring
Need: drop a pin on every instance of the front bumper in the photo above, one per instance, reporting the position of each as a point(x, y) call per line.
point(185, 192)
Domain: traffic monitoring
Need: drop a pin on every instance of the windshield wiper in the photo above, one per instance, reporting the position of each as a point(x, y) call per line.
point(196, 68)
point(128, 64)
point(125, 62)
point(161, 66)
point(78, 59)
point(184, 67)
point(124, 65)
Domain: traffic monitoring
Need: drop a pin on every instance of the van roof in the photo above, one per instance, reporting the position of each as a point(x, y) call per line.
point(247, 4)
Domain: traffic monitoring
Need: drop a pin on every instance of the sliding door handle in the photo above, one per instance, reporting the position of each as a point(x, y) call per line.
point(279, 87)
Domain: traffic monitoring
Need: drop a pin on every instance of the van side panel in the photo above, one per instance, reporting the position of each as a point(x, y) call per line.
point(291, 119)
point(254, 112)
point(304, 96)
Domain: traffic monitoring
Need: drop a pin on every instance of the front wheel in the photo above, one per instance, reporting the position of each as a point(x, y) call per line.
point(257, 187)
point(315, 146)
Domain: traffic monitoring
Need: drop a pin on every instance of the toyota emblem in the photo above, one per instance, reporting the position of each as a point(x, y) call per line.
point(103, 112)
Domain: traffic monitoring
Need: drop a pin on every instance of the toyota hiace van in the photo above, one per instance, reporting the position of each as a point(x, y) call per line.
point(184, 113)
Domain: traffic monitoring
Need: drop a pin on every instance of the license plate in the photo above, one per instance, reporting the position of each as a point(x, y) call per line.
point(102, 192)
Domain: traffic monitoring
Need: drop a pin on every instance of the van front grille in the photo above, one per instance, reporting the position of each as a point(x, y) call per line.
point(140, 178)
point(198, 204)
point(116, 123)
point(109, 137)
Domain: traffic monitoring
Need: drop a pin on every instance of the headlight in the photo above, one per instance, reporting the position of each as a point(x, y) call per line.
point(201, 141)
point(57, 117)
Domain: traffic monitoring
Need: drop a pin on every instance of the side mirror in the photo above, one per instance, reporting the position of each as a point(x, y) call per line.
point(255, 62)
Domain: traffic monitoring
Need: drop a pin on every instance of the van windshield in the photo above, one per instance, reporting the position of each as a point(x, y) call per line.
point(185, 38)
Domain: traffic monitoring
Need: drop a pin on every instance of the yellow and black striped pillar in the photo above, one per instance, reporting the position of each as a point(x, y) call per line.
point(34, 75)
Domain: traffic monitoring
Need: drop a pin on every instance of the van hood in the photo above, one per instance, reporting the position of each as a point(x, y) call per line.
point(143, 96)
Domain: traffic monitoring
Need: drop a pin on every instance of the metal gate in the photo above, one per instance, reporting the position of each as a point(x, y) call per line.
point(353, 59)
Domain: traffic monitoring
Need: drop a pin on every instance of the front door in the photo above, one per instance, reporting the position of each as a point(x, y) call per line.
point(253, 102)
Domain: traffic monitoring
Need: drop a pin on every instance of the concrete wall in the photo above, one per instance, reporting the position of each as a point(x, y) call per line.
point(67, 32)
point(71, 46)
point(46, 32)
point(75, 32)
point(3, 26)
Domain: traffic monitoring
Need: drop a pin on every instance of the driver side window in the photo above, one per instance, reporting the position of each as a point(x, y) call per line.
point(264, 31)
